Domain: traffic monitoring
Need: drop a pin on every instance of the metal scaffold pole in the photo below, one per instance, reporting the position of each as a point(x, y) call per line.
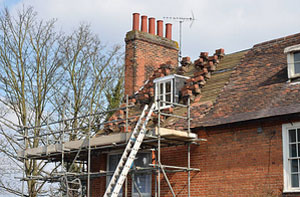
point(189, 147)
point(89, 158)
point(126, 115)
point(158, 151)
point(25, 132)
point(126, 128)
point(62, 150)
point(23, 178)
point(159, 166)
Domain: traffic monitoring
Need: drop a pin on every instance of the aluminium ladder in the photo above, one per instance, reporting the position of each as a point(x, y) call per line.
point(72, 187)
point(129, 154)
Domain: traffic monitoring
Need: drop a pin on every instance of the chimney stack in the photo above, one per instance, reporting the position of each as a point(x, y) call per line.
point(146, 51)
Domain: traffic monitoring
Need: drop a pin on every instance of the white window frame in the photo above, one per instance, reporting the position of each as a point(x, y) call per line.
point(290, 60)
point(164, 80)
point(286, 163)
point(133, 194)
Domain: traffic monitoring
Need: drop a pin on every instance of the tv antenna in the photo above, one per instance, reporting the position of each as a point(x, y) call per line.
point(180, 20)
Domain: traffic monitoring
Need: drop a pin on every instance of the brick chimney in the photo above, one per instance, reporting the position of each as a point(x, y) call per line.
point(145, 51)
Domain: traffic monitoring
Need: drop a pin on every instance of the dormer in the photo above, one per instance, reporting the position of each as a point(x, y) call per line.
point(167, 89)
point(293, 61)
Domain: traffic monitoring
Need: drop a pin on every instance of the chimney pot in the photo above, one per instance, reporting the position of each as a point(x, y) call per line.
point(136, 22)
point(169, 31)
point(152, 26)
point(160, 28)
point(144, 23)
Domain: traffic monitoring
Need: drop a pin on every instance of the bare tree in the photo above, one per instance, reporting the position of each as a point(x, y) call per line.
point(91, 69)
point(29, 63)
point(42, 73)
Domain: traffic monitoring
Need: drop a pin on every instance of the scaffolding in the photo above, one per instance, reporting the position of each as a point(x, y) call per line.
point(65, 155)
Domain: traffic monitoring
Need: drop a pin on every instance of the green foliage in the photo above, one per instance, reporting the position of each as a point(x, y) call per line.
point(115, 95)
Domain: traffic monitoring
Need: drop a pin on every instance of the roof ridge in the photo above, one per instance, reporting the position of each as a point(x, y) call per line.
point(235, 52)
point(269, 42)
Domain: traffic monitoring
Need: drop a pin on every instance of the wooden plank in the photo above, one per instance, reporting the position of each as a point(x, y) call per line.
point(175, 134)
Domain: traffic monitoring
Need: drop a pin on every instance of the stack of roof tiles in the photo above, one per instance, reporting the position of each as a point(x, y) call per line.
point(203, 67)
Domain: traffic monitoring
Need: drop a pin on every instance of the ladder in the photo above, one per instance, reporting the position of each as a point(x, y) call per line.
point(72, 187)
point(129, 154)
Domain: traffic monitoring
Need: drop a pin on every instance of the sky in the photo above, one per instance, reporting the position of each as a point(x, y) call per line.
point(230, 24)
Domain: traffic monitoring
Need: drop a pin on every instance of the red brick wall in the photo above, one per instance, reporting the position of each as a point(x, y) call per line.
point(98, 185)
point(236, 160)
point(144, 53)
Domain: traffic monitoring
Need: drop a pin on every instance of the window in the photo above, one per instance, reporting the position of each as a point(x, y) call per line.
point(291, 156)
point(297, 62)
point(142, 181)
point(293, 60)
point(167, 89)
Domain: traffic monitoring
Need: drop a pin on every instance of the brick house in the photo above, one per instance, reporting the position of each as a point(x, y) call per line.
point(246, 104)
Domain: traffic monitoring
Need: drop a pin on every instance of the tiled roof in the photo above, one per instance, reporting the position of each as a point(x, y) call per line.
point(210, 91)
point(241, 86)
point(258, 88)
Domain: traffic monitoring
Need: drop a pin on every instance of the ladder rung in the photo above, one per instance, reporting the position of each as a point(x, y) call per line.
point(72, 189)
point(132, 148)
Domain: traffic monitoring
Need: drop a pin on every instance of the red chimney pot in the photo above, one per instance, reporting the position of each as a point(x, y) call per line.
point(169, 31)
point(144, 23)
point(136, 22)
point(152, 26)
point(160, 28)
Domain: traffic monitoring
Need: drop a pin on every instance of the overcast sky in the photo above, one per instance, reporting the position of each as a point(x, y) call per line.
point(230, 24)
